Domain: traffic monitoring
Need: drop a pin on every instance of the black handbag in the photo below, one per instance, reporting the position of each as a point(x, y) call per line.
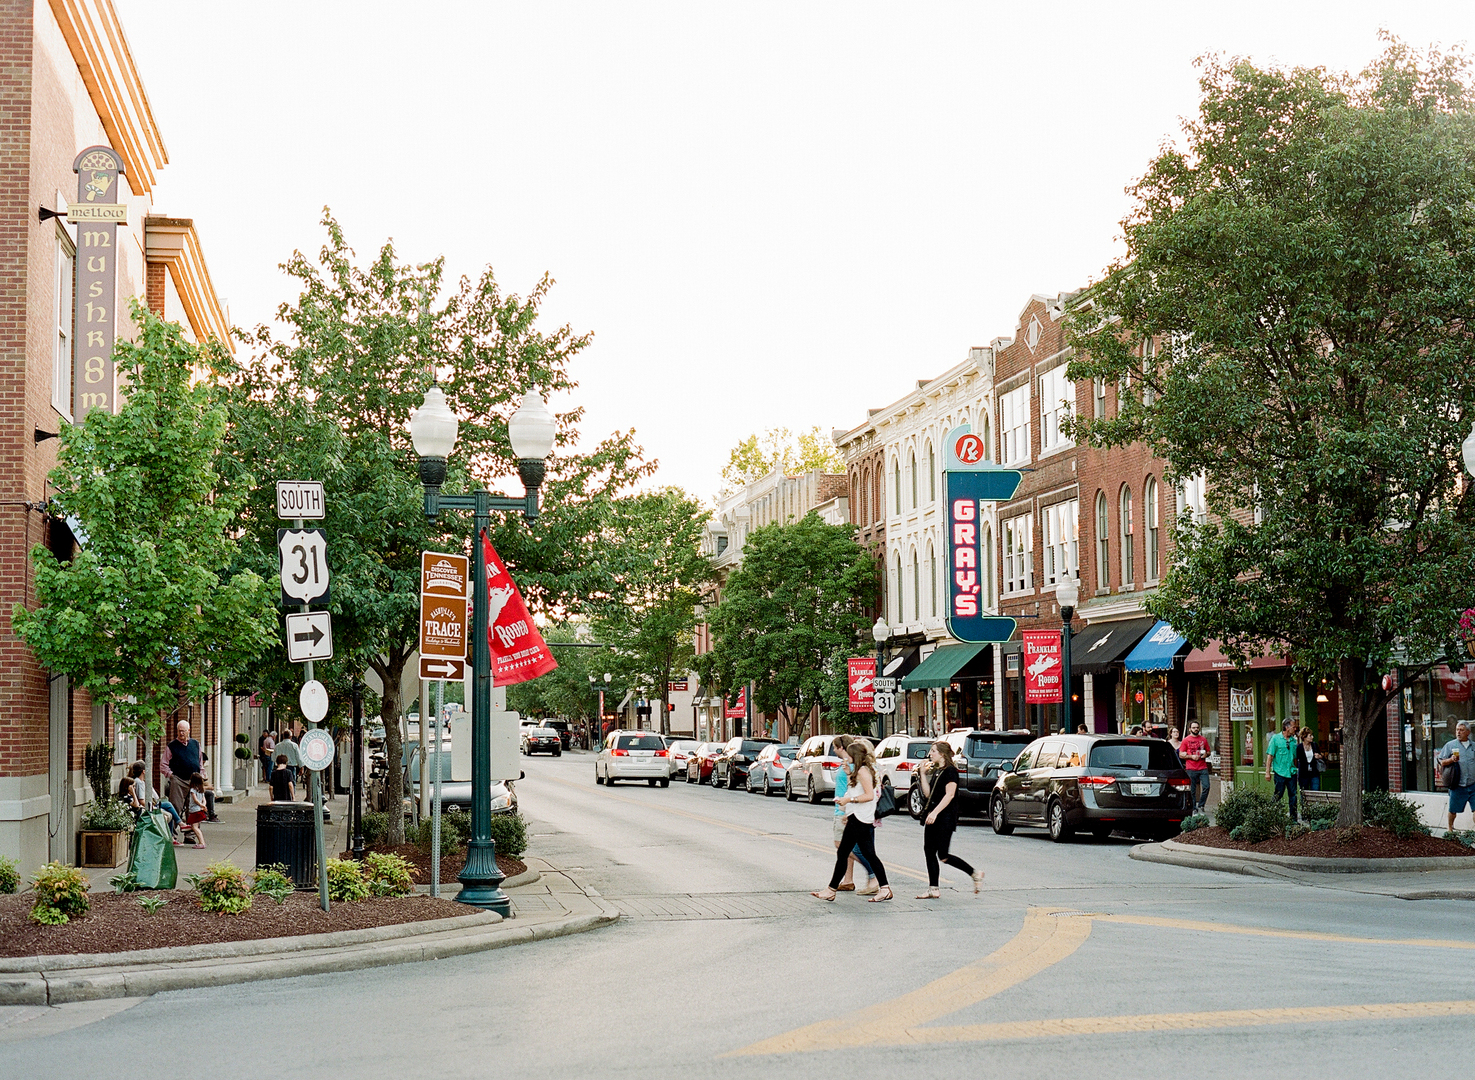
point(1450, 773)
point(885, 802)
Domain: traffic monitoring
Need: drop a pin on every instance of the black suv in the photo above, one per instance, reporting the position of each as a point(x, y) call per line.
point(979, 756)
point(560, 726)
point(731, 765)
point(1103, 783)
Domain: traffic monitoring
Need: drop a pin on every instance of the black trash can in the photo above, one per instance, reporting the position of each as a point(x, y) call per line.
point(284, 835)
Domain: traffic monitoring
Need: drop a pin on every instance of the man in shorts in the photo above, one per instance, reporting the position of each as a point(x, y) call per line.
point(1463, 795)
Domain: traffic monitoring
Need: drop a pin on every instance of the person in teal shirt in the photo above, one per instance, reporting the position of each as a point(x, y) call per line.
point(1280, 763)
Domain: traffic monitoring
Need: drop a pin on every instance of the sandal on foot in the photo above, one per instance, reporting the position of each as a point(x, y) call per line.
point(821, 896)
point(884, 895)
point(930, 894)
point(869, 890)
point(977, 881)
point(846, 886)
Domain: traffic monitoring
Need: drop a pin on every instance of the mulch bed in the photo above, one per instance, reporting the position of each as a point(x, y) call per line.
point(118, 923)
point(450, 862)
point(1373, 843)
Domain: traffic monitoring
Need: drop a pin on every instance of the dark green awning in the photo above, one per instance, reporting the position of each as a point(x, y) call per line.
point(939, 668)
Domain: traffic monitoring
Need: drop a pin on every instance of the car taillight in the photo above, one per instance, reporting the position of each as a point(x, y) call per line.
point(829, 764)
point(1097, 781)
point(1179, 785)
point(903, 766)
point(660, 753)
point(620, 753)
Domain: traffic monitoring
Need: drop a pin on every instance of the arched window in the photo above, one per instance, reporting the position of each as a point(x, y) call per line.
point(896, 479)
point(863, 489)
point(912, 474)
point(931, 477)
point(1150, 513)
point(1103, 544)
point(986, 435)
point(932, 575)
point(988, 555)
point(896, 590)
point(1126, 524)
point(916, 587)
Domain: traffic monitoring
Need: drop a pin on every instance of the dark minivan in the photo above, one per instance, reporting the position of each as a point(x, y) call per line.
point(1101, 783)
point(980, 756)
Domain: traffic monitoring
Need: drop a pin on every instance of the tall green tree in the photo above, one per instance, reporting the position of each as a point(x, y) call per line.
point(148, 613)
point(660, 574)
point(566, 691)
point(779, 448)
point(327, 396)
point(1309, 257)
point(798, 602)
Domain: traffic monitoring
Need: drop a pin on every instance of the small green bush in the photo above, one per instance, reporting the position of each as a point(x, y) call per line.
point(1194, 821)
point(152, 904)
point(1399, 816)
point(243, 753)
point(455, 830)
point(106, 814)
point(1264, 820)
point(346, 881)
point(272, 881)
point(61, 892)
point(1237, 805)
point(376, 827)
point(125, 882)
point(1314, 812)
point(1463, 836)
point(9, 875)
point(388, 875)
point(510, 834)
point(222, 888)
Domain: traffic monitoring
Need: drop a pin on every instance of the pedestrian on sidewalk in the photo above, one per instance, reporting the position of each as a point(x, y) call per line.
point(1459, 752)
point(1193, 751)
point(842, 784)
point(281, 782)
point(1280, 763)
point(194, 822)
point(860, 823)
point(1174, 739)
point(1306, 763)
point(184, 759)
point(939, 782)
point(267, 749)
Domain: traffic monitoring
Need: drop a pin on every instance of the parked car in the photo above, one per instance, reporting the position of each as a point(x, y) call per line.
point(1101, 783)
point(456, 794)
point(898, 757)
point(768, 772)
point(699, 762)
point(565, 735)
point(731, 765)
point(812, 773)
point(980, 756)
point(541, 740)
point(633, 755)
point(680, 751)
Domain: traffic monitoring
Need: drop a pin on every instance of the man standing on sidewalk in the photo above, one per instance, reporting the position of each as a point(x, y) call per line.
point(184, 761)
point(1463, 748)
point(1280, 763)
point(1194, 752)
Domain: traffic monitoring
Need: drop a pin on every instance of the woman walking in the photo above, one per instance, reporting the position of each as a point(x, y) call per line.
point(940, 789)
point(1306, 762)
point(842, 784)
point(860, 823)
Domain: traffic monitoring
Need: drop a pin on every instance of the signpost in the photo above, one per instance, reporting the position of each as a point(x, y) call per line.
point(309, 636)
point(445, 625)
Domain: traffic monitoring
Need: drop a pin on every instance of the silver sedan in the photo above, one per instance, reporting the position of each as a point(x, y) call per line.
point(768, 772)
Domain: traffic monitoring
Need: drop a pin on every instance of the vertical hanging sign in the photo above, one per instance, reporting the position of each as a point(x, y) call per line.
point(97, 215)
point(1041, 666)
point(862, 675)
point(970, 481)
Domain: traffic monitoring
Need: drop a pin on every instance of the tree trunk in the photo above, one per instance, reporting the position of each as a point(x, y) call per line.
point(1359, 712)
point(390, 672)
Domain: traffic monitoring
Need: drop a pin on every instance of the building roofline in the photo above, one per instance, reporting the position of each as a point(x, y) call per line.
point(175, 243)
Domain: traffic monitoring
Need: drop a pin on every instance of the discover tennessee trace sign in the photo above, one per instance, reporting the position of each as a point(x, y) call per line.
point(969, 481)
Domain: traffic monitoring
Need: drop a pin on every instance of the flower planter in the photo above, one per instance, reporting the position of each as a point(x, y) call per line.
point(102, 847)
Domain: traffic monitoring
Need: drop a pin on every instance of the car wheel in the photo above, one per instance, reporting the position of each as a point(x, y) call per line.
point(1000, 816)
point(813, 794)
point(1101, 832)
point(1060, 829)
point(767, 788)
point(650, 783)
point(666, 782)
point(915, 806)
point(688, 777)
point(789, 795)
point(597, 778)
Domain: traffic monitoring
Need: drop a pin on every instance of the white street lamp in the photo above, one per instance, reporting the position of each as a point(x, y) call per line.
point(531, 429)
point(880, 632)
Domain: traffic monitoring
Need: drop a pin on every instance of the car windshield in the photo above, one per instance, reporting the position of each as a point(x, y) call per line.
point(752, 746)
point(1133, 755)
point(993, 749)
point(641, 742)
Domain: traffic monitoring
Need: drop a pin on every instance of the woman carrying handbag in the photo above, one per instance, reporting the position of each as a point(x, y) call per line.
point(860, 823)
point(940, 818)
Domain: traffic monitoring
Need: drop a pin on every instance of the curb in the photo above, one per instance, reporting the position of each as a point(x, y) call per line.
point(527, 877)
point(1264, 864)
point(65, 979)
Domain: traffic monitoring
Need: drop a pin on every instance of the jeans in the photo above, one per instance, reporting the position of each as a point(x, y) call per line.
point(168, 808)
point(935, 841)
point(1288, 785)
point(1199, 778)
point(860, 835)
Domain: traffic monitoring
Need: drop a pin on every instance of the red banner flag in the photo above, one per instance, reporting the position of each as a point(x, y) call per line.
point(862, 675)
point(1041, 666)
point(738, 709)
point(518, 650)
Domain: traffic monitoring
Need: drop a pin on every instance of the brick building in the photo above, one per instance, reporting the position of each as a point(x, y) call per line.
point(67, 83)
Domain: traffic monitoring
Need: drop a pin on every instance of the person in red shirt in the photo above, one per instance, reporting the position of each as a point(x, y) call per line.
point(1194, 753)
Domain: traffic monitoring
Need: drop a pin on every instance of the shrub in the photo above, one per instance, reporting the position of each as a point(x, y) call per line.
point(1194, 821)
point(152, 904)
point(97, 763)
point(1463, 836)
point(9, 875)
point(376, 827)
point(1315, 812)
point(388, 875)
point(346, 881)
point(107, 814)
point(1399, 816)
point(272, 881)
point(243, 738)
point(510, 833)
point(61, 892)
point(455, 830)
point(1264, 820)
point(1237, 805)
point(222, 888)
point(125, 882)
point(243, 753)
point(1349, 836)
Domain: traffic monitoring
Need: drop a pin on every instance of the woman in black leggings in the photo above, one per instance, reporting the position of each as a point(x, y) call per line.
point(860, 823)
point(940, 819)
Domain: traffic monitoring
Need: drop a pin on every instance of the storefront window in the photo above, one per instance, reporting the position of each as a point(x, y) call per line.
point(1431, 705)
point(1203, 710)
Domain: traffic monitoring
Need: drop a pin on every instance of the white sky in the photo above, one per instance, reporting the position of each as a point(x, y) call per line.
point(770, 214)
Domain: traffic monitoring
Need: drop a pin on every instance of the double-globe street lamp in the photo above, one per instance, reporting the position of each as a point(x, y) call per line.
point(596, 729)
point(531, 430)
point(1067, 595)
point(879, 633)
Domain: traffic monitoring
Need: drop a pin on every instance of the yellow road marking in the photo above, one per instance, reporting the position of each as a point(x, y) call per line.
point(1260, 931)
point(905, 871)
point(1042, 941)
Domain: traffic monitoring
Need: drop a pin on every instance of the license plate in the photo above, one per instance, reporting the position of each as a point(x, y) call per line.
point(1143, 789)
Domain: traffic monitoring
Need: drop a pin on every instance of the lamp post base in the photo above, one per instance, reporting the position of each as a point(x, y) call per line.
point(481, 881)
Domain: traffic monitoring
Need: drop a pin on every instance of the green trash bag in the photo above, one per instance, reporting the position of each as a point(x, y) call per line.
point(151, 852)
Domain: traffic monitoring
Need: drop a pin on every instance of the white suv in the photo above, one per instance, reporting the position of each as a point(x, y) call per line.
point(897, 760)
point(633, 755)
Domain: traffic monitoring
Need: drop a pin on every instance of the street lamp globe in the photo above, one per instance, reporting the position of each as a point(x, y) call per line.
point(607, 678)
point(531, 429)
point(1068, 594)
point(1468, 450)
point(880, 632)
point(433, 427)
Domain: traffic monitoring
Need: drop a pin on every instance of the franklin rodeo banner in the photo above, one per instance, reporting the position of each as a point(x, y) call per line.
point(518, 650)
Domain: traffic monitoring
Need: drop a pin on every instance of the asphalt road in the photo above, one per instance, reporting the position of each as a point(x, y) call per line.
point(1073, 956)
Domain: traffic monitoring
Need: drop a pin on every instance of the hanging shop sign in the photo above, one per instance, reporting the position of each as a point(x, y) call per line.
point(739, 708)
point(1241, 704)
point(518, 650)
point(1041, 666)
point(862, 678)
point(969, 483)
point(96, 296)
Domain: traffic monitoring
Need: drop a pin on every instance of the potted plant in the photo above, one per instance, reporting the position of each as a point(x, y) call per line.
point(245, 762)
point(103, 837)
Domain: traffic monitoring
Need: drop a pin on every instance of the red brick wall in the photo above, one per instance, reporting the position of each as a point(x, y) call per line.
point(1395, 738)
point(155, 289)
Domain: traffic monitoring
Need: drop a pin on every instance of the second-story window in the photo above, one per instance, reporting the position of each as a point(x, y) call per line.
point(1150, 514)
point(1191, 501)
point(1061, 546)
point(1126, 523)
point(1098, 398)
point(912, 469)
point(931, 475)
point(1103, 544)
point(989, 597)
point(932, 577)
point(1057, 404)
point(1149, 363)
point(916, 587)
point(1014, 425)
point(1018, 554)
point(896, 482)
point(61, 364)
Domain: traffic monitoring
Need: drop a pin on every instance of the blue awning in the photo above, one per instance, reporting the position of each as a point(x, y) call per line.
point(1158, 650)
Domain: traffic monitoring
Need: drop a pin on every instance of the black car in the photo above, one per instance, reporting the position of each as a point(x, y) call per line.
point(1102, 783)
point(731, 765)
point(564, 734)
point(980, 756)
point(541, 740)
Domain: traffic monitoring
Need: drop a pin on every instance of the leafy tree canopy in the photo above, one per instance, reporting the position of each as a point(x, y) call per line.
point(779, 449)
point(1307, 264)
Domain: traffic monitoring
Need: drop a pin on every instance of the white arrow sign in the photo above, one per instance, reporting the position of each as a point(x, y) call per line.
point(309, 636)
point(441, 668)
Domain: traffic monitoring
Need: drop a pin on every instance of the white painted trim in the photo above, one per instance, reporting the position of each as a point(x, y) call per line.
point(25, 809)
